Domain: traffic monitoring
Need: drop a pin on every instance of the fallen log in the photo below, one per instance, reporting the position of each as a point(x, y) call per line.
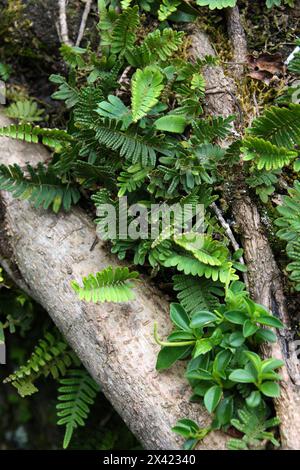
point(43, 252)
point(264, 275)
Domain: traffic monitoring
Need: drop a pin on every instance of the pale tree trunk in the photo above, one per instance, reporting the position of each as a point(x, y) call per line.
point(43, 253)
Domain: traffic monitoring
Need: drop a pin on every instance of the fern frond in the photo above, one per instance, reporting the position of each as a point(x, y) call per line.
point(132, 146)
point(41, 187)
point(25, 111)
point(51, 356)
point(124, 33)
point(280, 126)
point(289, 222)
point(77, 393)
point(293, 252)
point(192, 266)
point(51, 137)
point(265, 154)
point(166, 8)
point(114, 108)
point(108, 285)
point(203, 248)
point(197, 294)
point(216, 4)
point(146, 86)
point(132, 178)
point(157, 46)
point(208, 130)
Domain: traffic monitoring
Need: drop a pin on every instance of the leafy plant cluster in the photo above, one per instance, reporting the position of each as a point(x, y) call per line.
point(136, 129)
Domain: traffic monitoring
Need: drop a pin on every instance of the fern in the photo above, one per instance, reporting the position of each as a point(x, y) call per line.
point(289, 222)
point(132, 178)
point(109, 285)
point(157, 46)
point(25, 111)
point(51, 137)
point(208, 130)
point(266, 155)
point(124, 33)
point(51, 356)
point(197, 294)
point(166, 8)
point(77, 394)
point(219, 4)
point(280, 126)
point(41, 187)
point(132, 146)
point(253, 424)
point(146, 86)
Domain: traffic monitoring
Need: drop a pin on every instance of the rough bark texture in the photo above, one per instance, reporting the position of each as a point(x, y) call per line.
point(43, 253)
point(263, 273)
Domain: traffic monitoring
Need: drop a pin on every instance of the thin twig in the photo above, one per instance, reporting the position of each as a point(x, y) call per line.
point(64, 35)
point(229, 234)
point(86, 11)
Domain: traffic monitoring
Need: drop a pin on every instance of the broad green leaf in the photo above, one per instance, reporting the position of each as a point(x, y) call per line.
point(268, 320)
point(249, 328)
point(179, 317)
point(236, 317)
point(254, 399)
point(171, 123)
point(146, 86)
point(202, 347)
point(270, 389)
point(202, 318)
point(168, 356)
point(242, 376)
point(212, 398)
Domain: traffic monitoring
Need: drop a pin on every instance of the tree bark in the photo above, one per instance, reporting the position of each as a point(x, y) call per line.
point(43, 252)
point(264, 276)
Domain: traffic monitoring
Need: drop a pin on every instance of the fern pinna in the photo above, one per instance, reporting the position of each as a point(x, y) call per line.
point(137, 130)
point(76, 394)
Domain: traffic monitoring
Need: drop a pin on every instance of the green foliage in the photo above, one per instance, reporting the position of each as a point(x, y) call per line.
point(217, 342)
point(51, 137)
point(41, 186)
point(146, 86)
point(289, 230)
point(76, 395)
point(25, 111)
point(266, 155)
point(51, 356)
point(219, 4)
point(253, 424)
point(124, 32)
point(108, 285)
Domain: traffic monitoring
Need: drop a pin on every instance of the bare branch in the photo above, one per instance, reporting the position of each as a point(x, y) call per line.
point(86, 11)
point(64, 35)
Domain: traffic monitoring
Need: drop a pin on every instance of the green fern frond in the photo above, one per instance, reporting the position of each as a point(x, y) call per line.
point(72, 55)
point(51, 137)
point(166, 8)
point(114, 108)
point(203, 248)
point(65, 92)
point(132, 146)
point(109, 285)
point(192, 266)
point(25, 111)
point(51, 356)
point(132, 178)
point(280, 126)
point(157, 46)
point(197, 294)
point(219, 4)
point(41, 186)
point(77, 393)
point(124, 33)
point(146, 86)
point(293, 268)
point(266, 155)
point(289, 222)
point(208, 130)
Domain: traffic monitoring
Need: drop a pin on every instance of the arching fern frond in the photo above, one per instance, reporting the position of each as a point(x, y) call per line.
point(40, 186)
point(50, 137)
point(280, 126)
point(289, 222)
point(146, 86)
point(76, 395)
point(208, 130)
point(132, 178)
point(219, 4)
point(124, 33)
point(51, 356)
point(166, 8)
point(197, 294)
point(203, 248)
point(109, 285)
point(266, 155)
point(132, 146)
